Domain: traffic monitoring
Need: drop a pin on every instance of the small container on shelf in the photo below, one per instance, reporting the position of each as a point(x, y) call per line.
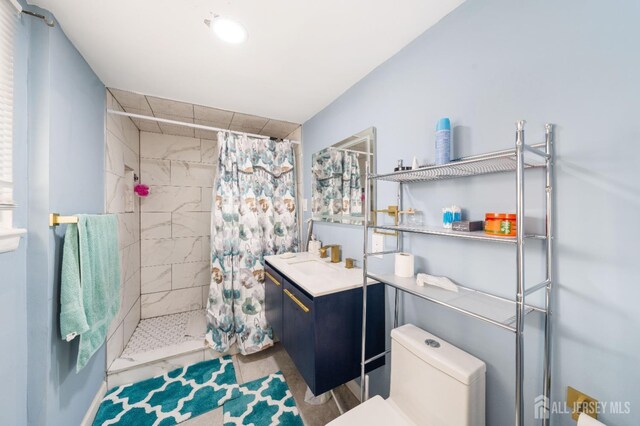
point(500, 224)
point(467, 225)
point(400, 167)
point(411, 217)
point(457, 213)
point(447, 218)
point(415, 219)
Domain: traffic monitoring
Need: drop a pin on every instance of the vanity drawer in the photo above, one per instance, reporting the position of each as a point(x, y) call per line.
point(299, 331)
point(273, 299)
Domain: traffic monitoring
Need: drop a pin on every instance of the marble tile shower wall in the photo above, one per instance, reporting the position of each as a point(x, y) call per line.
point(175, 222)
point(300, 167)
point(122, 159)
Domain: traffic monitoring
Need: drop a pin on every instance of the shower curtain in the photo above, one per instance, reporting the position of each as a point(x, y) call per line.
point(336, 186)
point(351, 189)
point(253, 215)
point(326, 166)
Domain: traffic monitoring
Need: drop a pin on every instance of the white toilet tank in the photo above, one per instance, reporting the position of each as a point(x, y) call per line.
point(435, 384)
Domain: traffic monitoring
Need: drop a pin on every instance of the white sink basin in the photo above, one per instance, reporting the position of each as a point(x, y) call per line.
point(316, 276)
point(312, 267)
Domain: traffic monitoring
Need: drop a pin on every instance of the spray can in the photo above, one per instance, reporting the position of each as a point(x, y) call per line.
point(443, 141)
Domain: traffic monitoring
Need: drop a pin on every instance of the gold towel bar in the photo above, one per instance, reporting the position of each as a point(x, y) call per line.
point(55, 219)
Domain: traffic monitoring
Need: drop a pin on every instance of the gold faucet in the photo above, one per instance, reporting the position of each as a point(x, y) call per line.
point(336, 253)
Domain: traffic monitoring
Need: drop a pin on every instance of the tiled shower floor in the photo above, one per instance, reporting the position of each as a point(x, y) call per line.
point(166, 339)
point(165, 331)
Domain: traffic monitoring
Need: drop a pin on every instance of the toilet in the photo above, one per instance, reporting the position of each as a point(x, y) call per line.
point(433, 383)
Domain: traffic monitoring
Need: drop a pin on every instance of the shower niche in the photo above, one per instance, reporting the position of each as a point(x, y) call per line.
point(129, 197)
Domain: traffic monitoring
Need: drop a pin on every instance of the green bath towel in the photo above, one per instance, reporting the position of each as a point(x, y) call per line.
point(90, 290)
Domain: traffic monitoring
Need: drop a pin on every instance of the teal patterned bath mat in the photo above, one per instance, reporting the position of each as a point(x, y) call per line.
point(263, 402)
point(172, 397)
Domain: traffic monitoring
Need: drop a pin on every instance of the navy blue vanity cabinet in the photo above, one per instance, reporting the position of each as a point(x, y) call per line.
point(338, 336)
point(273, 300)
point(299, 331)
point(322, 334)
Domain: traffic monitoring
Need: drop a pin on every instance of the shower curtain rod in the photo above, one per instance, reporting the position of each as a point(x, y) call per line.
point(192, 125)
point(354, 151)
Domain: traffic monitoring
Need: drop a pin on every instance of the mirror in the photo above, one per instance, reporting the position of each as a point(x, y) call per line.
point(338, 179)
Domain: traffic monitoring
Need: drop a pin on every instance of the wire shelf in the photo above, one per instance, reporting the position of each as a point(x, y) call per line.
point(494, 162)
point(473, 235)
point(478, 304)
point(506, 313)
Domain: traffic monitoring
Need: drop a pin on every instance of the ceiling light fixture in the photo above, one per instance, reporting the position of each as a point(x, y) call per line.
point(227, 29)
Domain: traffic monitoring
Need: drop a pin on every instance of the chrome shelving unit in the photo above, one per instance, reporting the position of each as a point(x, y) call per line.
point(505, 313)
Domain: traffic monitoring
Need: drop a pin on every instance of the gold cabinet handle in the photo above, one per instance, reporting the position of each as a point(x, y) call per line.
point(295, 299)
point(272, 278)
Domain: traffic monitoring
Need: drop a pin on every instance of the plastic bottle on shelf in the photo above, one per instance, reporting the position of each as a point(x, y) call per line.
point(443, 141)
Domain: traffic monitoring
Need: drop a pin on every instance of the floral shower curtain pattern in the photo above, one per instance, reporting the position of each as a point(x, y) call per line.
point(351, 189)
point(336, 188)
point(253, 215)
point(326, 166)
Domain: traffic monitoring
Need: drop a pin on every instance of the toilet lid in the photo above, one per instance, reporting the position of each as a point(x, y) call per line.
point(374, 412)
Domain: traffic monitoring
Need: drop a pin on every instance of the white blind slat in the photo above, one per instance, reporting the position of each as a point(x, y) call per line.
point(8, 18)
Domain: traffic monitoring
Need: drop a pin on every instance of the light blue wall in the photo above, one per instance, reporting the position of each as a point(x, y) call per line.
point(67, 102)
point(487, 64)
point(76, 185)
point(58, 153)
point(13, 265)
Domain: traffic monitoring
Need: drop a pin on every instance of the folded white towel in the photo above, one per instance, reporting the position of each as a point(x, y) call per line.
point(442, 282)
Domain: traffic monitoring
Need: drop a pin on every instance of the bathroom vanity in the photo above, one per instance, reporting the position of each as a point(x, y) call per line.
point(315, 310)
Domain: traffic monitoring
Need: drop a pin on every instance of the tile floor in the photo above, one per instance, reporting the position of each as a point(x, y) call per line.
point(160, 340)
point(269, 361)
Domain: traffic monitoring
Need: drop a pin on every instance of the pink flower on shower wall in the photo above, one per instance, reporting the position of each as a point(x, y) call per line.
point(141, 190)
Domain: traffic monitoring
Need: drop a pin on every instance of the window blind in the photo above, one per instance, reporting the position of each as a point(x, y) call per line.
point(8, 18)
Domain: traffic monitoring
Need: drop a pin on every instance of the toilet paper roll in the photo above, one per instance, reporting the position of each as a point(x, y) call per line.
point(404, 265)
point(584, 420)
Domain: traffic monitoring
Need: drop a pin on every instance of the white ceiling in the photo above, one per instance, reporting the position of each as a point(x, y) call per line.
point(300, 54)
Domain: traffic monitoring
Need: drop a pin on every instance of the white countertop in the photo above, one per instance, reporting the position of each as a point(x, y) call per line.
point(336, 278)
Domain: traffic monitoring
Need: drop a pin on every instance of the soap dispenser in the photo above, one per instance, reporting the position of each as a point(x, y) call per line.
point(314, 246)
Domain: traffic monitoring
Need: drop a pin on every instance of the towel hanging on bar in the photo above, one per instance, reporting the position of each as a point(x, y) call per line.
point(90, 284)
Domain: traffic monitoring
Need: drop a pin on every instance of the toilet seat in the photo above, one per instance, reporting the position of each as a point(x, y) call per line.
point(374, 412)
